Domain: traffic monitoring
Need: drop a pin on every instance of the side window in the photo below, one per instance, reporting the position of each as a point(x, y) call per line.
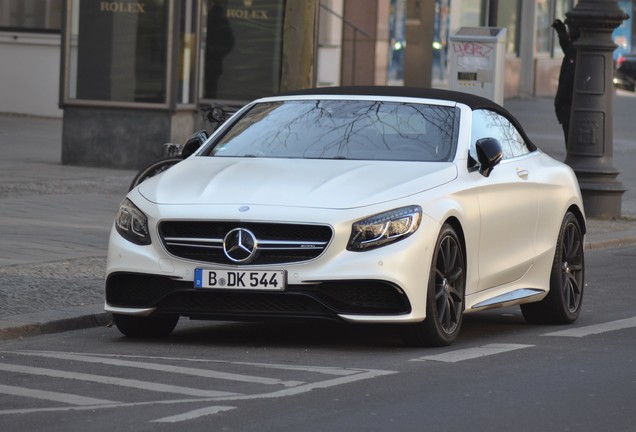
point(489, 124)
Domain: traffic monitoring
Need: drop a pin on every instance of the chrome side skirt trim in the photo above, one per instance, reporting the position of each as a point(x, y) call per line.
point(511, 297)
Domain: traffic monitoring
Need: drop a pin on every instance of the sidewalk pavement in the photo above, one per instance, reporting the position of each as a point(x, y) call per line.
point(55, 219)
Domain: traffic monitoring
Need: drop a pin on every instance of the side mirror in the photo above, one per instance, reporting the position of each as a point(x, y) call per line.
point(193, 143)
point(489, 154)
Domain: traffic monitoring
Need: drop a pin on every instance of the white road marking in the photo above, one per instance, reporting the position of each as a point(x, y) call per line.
point(361, 374)
point(193, 414)
point(105, 406)
point(316, 369)
point(472, 353)
point(143, 385)
point(203, 373)
point(328, 370)
point(596, 328)
point(66, 398)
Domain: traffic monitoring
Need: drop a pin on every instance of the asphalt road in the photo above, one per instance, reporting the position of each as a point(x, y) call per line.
point(501, 375)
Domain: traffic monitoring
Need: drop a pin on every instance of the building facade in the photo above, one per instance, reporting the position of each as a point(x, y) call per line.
point(179, 53)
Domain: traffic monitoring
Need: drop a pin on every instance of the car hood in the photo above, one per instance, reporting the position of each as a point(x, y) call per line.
point(318, 183)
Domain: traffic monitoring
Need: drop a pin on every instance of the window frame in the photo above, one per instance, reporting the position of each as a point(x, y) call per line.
point(507, 150)
point(65, 77)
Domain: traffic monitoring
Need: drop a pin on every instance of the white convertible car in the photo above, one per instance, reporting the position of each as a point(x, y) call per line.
point(359, 204)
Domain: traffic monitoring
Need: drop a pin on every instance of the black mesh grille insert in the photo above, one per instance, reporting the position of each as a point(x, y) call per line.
point(139, 290)
point(364, 297)
point(243, 304)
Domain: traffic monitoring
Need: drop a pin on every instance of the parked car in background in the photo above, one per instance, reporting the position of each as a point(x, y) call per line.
point(625, 75)
point(357, 204)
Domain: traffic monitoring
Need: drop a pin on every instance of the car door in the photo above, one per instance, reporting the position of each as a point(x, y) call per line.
point(508, 203)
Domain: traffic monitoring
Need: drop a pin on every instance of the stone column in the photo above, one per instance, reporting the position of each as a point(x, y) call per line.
point(590, 148)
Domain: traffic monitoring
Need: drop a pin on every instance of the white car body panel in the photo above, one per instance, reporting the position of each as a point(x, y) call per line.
point(301, 183)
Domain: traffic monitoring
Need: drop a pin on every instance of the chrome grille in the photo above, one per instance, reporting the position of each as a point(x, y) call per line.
point(276, 243)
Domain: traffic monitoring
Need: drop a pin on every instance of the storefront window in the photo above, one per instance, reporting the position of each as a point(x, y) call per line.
point(31, 15)
point(622, 35)
point(441, 29)
point(508, 16)
point(397, 34)
point(241, 49)
point(118, 51)
point(561, 7)
point(470, 12)
point(544, 31)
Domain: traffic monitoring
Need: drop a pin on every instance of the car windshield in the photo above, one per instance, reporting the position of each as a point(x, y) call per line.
point(342, 129)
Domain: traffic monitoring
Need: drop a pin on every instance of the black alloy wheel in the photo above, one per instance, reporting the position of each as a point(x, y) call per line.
point(445, 298)
point(563, 303)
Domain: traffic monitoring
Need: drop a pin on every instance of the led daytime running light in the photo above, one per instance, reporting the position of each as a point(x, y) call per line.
point(132, 224)
point(385, 228)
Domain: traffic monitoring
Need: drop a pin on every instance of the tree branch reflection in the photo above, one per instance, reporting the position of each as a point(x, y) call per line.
point(343, 129)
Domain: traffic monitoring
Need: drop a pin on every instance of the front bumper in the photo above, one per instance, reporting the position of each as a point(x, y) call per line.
point(137, 293)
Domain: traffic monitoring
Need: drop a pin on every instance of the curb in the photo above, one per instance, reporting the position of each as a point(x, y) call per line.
point(39, 323)
point(610, 243)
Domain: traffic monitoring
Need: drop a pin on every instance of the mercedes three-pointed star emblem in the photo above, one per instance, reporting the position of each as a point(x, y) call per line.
point(240, 245)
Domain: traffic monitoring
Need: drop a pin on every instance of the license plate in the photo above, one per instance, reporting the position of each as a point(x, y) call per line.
point(240, 279)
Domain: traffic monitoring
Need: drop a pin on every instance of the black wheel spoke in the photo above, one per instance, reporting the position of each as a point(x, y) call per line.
point(455, 274)
point(572, 297)
point(445, 254)
point(439, 275)
point(568, 239)
point(572, 243)
point(455, 295)
point(567, 293)
point(442, 311)
point(576, 268)
point(564, 278)
point(439, 292)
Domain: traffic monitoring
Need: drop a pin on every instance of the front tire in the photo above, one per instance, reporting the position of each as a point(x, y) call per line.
point(145, 327)
point(563, 303)
point(445, 295)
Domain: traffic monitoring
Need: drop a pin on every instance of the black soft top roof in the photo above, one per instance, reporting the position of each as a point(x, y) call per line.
point(472, 101)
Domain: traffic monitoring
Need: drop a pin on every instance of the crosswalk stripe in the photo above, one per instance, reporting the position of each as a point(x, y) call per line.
point(66, 398)
point(204, 373)
point(472, 353)
point(143, 385)
point(193, 414)
point(596, 328)
point(327, 370)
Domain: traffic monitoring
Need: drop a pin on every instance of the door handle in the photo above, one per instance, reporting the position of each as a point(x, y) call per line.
point(522, 173)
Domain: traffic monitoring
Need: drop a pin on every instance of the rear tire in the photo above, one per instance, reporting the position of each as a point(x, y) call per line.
point(145, 327)
point(563, 303)
point(445, 296)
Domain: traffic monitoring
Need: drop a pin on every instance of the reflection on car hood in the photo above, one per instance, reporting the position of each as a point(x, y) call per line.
point(335, 184)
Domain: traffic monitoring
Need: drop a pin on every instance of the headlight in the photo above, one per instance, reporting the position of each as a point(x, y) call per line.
point(132, 223)
point(384, 228)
